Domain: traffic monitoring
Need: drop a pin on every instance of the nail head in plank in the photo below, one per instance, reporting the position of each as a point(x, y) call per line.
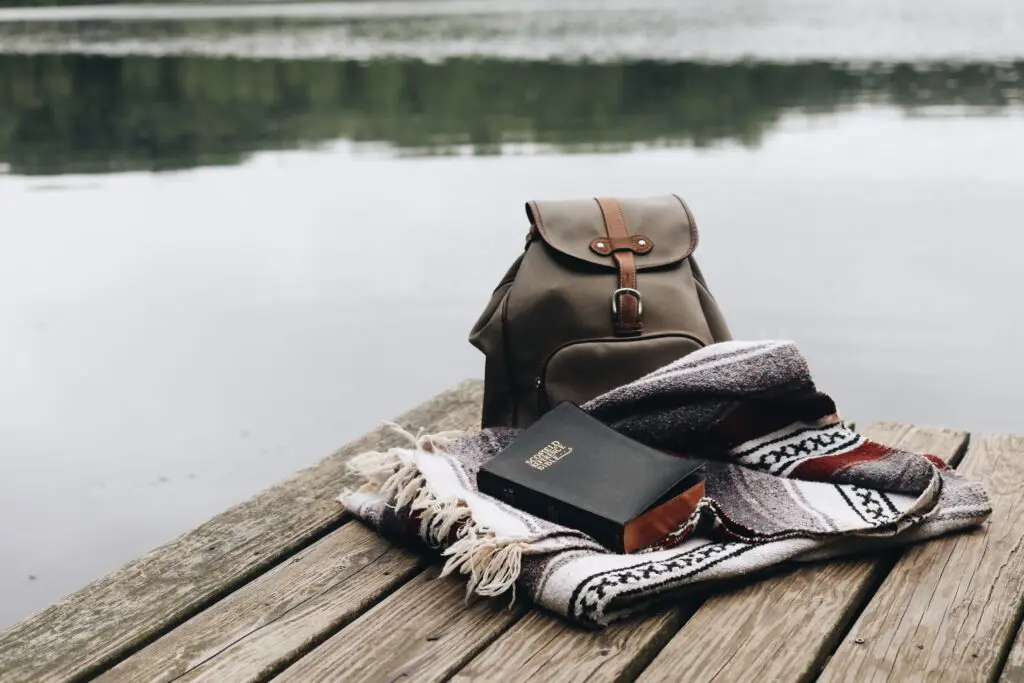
point(103, 622)
point(783, 626)
point(949, 608)
point(274, 619)
point(546, 648)
point(422, 632)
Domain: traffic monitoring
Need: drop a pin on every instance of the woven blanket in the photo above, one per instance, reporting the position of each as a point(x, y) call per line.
point(786, 481)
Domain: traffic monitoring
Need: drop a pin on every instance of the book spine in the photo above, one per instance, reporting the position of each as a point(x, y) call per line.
point(604, 531)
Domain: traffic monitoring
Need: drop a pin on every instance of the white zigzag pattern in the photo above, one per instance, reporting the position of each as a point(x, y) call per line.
point(782, 454)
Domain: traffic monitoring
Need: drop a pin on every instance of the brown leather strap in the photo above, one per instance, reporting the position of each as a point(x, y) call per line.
point(638, 244)
point(626, 305)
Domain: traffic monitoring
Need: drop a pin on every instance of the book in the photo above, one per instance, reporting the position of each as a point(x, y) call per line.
point(571, 469)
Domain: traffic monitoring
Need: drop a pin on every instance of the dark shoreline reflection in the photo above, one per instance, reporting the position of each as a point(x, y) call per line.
point(84, 114)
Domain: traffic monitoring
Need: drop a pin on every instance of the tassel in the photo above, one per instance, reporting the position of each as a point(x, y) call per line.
point(413, 439)
point(492, 566)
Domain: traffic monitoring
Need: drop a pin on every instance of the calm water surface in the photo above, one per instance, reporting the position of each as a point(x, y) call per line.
point(231, 243)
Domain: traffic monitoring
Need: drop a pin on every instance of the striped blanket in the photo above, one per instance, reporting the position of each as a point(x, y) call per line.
point(786, 481)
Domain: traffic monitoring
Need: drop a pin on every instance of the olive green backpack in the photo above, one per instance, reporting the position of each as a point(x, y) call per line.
point(605, 291)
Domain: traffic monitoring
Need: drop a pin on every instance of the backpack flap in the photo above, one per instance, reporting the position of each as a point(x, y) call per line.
point(627, 235)
point(575, 227)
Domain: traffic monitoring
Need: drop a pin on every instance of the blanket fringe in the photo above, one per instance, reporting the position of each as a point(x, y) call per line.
point(492, 565)
point(374, 467)
point(421, 441)
point(390, 474)
point(439, 517)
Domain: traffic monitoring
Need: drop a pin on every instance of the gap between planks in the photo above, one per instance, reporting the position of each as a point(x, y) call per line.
point(720, 630)
point(783, 627)
point(271, 622)
point(540, 644)
point(424, 631)
point(547, 647)
point(543, 647)
point(101, 624)
point(436, 640)
point(469, 632)
point(949, 609)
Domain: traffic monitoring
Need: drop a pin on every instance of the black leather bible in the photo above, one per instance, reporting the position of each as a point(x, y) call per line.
point(572, 469)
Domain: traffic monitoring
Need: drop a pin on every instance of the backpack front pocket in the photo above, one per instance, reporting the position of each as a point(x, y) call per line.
point(582, 370)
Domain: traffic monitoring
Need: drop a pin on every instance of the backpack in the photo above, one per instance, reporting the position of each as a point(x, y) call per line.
point(605, 291)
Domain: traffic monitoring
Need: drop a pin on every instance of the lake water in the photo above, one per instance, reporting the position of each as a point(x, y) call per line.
point(236, 237)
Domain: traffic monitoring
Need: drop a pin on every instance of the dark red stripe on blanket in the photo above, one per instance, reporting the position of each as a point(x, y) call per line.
point(753, 419)
point(827, 467)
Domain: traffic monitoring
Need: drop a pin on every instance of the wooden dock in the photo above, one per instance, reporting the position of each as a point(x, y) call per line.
point(285, 587)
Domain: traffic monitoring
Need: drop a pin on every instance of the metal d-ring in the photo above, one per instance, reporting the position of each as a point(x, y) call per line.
point(627, 290)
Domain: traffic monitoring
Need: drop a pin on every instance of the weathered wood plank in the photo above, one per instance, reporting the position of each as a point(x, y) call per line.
point(103, 622)
point(949, 608)
point(546, 648)
point(422, 632)
point(544, 645)
point(1013, 671)
point(274, 619)
point(782, 627)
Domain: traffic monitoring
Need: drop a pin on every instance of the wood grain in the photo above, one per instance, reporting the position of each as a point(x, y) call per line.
point(273, 620)
point(1013, 671)
point(542, 645)
point(782, 628)
point(950, 607)
point(546, 648)
point(99, 625)
point(422, 632)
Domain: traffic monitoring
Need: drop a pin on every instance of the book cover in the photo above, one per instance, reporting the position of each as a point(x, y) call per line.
point(571, 469)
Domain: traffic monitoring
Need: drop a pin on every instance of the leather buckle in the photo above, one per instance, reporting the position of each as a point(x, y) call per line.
point(627, 290)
